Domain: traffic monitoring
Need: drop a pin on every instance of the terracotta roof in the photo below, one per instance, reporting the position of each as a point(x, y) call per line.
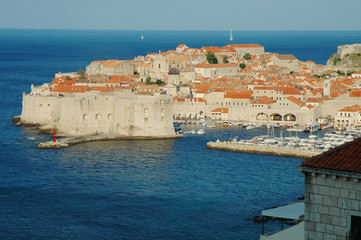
point(263, 100)
point(291, 91)
point(353, 108)
point(345, 158)
point(296, 101)
point(314, 100)
point(238, 95)
point(355, 94)
point(222, 110)
point(207, 65)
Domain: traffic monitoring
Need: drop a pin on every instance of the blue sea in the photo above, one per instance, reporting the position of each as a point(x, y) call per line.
point(159, 189)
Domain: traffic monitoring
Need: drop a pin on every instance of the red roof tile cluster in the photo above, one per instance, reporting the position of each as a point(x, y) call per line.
point(353, 108)
point(345, 158)
point(221, 110)
point(263, 100)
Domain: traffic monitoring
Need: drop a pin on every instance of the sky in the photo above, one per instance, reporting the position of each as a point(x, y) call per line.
point(182, 14)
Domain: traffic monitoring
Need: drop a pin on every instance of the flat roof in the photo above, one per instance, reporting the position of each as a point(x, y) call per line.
point(291, 211)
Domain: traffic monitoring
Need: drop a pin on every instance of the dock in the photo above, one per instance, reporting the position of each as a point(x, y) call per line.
point(68, 141)
point(268, 150)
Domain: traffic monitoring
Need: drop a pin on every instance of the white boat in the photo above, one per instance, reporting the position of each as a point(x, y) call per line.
point(142, 37)
point(211, 124)
point(250, 127)
point(201, 132)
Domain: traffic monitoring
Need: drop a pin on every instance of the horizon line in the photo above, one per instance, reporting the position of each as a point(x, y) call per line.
point(204, 30)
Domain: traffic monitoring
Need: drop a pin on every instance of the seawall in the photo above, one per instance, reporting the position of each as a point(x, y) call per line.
point(268, 150)
point(68, 141)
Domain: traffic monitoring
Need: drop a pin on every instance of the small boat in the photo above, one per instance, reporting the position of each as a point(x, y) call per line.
point(201, 132)
point(250, 127)
point(211, 124)
point(225, 123)
point(142, 37)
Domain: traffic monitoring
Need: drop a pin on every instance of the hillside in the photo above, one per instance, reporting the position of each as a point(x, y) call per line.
point(349, 60)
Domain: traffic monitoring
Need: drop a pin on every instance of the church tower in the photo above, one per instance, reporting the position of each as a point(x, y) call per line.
point(327, 87)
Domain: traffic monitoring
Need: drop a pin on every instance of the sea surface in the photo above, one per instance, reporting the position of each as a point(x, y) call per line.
point(158, 189)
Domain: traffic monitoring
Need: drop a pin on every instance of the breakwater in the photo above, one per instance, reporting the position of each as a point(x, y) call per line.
point(68, 141)
point(268, 150)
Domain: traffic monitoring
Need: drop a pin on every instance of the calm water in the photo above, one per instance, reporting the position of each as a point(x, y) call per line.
point(169, 189)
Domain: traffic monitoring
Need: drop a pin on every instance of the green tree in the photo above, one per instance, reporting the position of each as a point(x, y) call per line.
point(148, 81)
point(159, 82)
point(242, 65)
point(67, 78)
point(350, 73)
point(247, 56)
point(225, 59)
point(211, 58)
point(81, 73)
point(336, 60)
point(339, 72)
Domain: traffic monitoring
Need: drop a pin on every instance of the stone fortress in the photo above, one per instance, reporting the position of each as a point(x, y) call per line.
point(118, 113)
point(348, 49)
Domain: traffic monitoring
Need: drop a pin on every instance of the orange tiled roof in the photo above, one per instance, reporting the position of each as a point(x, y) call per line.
point(353, 108)
point(296, 101)
point(221, 110)
point(346, 158)
point(238, 95)
point(220, 65)
point(355, 94)
point(263, 100)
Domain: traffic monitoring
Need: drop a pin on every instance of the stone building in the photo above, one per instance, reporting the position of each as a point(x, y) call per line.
point(287, 61)
point(113, 67)
point(333, 193)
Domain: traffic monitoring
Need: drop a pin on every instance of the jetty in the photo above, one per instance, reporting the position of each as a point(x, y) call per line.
point(68, 141)
point(268, 150)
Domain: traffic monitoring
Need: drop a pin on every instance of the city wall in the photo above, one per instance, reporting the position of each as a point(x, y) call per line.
point(122, 114)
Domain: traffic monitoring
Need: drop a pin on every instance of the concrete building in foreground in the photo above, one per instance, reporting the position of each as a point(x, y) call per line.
point(333, 193)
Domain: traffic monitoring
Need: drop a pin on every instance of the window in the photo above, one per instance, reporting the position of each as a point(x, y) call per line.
point(355, 230)
point(85, 116)
point(145, 110)
point(145, 119)
point(110, 116)
point(97, 116)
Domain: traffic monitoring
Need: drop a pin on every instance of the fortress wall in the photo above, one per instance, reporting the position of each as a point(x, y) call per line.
point(39, 109)
point(120, 114)
point(331, 107)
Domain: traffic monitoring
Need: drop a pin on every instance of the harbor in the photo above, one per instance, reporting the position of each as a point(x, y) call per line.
point(306, 146)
